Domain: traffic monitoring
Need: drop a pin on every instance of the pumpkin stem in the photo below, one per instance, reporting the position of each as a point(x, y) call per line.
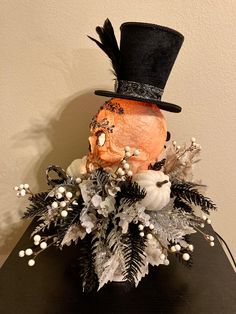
point(159, 184)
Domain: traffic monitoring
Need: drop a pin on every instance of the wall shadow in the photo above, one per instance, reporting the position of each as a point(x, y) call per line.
point(67, 132)
point(59, 140)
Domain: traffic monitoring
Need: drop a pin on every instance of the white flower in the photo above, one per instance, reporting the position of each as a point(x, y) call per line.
point(96, 200)
point(127, 215)
point(107, 206)
point(88, 221)
point(77, 168)
point(125, 219)
point(153, 252)
point(142, 216)
point(112, 189)
point(86, 190)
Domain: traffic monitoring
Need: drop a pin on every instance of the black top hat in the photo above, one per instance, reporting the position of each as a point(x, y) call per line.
point(144, 61)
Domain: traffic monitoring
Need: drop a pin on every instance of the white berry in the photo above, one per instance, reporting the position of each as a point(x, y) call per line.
point(136, 152)
point(211, 238)
point(43, 245)
point(208, 221)
point(21, 186)
point(204, 217)
point(212, 243)
point(59, 196)
point(69, 195)
point(16, 188)
point(22, 192)
point(37, 238)
point(173, 249)
point(186, 256)
point(61, 189)
point(26, 186)
point(141, 234)
point(120, 171)
point(63, 204)
point(127, 149)
point(31, 262)
point(126, 166)
point(166, 262)
point(28, 252)
point(193, 140)
point(64, 213)
point(21, 253)
point(202, 225)
point(78, 180)
point(149, 236)
point(141, 227)
point(190, 247)
point(177, 247)
point(128, 154)
point(54, 205)
point(151, 226)
point(36, 243)
point(129, 173)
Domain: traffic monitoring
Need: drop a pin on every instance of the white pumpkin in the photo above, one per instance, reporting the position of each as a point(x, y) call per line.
point(157, 185)
point(77, 168)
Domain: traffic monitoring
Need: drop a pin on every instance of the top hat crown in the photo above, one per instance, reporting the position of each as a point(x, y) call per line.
point(144, 61)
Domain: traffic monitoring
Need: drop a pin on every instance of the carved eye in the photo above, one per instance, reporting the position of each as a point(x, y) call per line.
point(101, 138)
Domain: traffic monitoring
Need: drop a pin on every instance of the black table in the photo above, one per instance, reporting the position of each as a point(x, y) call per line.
point(49, 288)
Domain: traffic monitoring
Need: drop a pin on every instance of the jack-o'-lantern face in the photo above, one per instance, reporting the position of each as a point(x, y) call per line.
point(122, 122)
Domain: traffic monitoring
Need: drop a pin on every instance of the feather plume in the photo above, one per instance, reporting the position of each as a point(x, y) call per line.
point(109, 45)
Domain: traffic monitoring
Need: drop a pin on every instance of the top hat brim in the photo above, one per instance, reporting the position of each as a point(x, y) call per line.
point(161, 104)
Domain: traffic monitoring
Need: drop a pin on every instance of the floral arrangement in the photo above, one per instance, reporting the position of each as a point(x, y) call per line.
point(120, 221)
point(125, 207)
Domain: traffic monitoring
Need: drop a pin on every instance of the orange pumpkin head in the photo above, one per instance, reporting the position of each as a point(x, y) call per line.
point(120, 123)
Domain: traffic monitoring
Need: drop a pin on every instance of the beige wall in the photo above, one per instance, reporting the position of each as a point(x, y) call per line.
point(49, 69)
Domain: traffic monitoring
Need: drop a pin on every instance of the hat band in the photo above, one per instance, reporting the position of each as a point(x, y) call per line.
point(138, 90)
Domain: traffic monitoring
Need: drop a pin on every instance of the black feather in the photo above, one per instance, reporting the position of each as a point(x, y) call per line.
point(130, 193)
point(109, 44)
point(134, 254)
point(188, 192)
point(183, 206)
